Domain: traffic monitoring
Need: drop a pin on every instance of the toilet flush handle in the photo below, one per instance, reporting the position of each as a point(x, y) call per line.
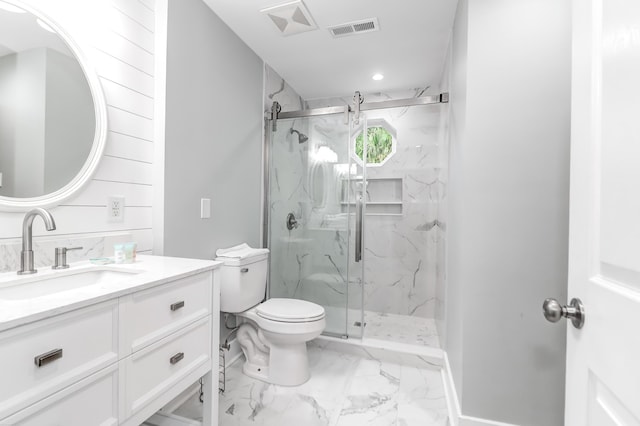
point(244, 270)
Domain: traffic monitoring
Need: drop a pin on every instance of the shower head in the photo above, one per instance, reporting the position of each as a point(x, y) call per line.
point(302, 138)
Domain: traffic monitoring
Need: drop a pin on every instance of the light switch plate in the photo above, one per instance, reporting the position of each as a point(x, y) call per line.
point(205, 208)
point(115, 209)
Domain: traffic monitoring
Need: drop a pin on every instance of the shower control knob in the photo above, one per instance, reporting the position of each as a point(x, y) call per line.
point(553, 311)
point(291, 222)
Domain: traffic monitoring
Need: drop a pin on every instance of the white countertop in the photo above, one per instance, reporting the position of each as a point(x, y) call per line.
point(147, 271)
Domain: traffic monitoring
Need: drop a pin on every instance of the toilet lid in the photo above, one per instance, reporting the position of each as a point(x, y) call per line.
point(290, 310)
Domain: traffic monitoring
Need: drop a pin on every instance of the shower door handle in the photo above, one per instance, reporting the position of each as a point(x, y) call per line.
point(358, 227)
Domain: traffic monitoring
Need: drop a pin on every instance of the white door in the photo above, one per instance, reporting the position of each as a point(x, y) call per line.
point(603, 358)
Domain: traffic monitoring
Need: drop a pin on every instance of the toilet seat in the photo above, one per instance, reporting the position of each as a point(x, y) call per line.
point(290, 310)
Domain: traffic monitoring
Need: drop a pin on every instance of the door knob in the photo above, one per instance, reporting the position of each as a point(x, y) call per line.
point(553, 311)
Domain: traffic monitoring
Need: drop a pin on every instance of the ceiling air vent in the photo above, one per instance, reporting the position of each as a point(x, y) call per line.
point(291, 18)
point(355, 27)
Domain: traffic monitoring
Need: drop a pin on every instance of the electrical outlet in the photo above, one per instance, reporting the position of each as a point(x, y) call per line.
point(115, 209)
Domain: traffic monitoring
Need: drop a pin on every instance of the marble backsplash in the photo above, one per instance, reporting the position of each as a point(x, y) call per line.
point(44, 249)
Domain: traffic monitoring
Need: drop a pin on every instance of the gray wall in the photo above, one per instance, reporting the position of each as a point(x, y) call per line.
point(455, 200)
point(509, 208)
point(214, 127)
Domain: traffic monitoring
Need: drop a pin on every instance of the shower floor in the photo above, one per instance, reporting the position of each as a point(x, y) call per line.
point(387, 327)
point(401, 329)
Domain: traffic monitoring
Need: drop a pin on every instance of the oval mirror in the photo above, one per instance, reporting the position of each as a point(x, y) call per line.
point(52, 111)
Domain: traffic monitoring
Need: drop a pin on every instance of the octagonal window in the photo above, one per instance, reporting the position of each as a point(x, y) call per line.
point(381, 143)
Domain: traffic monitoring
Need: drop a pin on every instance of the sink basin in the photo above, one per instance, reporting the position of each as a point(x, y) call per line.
point(46, 285)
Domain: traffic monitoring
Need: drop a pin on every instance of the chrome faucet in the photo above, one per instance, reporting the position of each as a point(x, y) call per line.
point(26, 256)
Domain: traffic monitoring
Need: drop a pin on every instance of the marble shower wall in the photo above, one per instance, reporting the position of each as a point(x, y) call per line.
point(287, 187)
point(402, 240)
point(401, 249)
point(276, 89)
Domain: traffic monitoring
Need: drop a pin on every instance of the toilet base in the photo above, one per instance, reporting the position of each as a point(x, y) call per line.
point(288, 366)
point(259, 372)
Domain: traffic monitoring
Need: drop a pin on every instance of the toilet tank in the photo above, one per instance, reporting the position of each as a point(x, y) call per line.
point(243, 282)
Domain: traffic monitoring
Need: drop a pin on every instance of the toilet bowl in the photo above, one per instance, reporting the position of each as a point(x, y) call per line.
point(274, 333)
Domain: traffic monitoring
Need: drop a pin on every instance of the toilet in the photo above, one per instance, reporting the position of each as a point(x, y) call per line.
point(275, 332)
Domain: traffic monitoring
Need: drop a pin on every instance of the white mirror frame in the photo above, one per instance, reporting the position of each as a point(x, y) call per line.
point(100, 137)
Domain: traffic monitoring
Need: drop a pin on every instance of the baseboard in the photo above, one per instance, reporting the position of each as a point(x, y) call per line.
point(475, 421)
point(456, 418)
point(453, 403)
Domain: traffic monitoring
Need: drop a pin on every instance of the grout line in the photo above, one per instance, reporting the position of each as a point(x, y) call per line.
point(123, 61)
point(146, 6)
point(126, 87)
point(122, 182)
point(142, 24)
point(128, 159)
point(130, 112)
point(132, 42)
point(131, 136)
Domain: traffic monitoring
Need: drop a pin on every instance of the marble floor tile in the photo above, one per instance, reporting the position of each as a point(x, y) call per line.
point(344, 390)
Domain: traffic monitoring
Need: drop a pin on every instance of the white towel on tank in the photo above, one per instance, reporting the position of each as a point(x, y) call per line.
point(240, 251)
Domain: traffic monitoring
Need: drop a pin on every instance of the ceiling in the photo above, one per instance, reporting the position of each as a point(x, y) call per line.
point(409, 49)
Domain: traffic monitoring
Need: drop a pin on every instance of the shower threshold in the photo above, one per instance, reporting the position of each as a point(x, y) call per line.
point(403, 333)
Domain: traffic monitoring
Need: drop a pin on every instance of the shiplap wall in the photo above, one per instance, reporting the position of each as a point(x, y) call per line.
point(117, 36)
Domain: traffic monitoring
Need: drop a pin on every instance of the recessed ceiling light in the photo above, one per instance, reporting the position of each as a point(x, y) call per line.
point(377, 77)
point(11, 8)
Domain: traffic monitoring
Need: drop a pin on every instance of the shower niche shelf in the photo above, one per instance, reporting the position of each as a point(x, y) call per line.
point(383, 197)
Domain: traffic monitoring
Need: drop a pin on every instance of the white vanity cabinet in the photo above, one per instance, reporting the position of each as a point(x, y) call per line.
point(149, 315)
point(168, 332)
point(90, 401)
point(71, 347)
point(115, 362)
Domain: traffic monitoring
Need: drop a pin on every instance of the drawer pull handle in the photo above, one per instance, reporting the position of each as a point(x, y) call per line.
point(176, 358)
point(244, 270)
point(177, 305)
point(48, 357)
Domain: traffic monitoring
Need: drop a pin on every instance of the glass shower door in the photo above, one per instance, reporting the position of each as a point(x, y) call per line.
point(311, 217)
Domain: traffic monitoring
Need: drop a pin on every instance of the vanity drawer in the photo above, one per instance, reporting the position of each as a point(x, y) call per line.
point(68, 348)
point(155, 370)
point(91, 401)
point(150, 315)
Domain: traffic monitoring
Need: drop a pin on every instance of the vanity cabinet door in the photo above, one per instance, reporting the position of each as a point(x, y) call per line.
point(41, 358)
point(151, 376)
point(150, 315)
point(91, 401)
